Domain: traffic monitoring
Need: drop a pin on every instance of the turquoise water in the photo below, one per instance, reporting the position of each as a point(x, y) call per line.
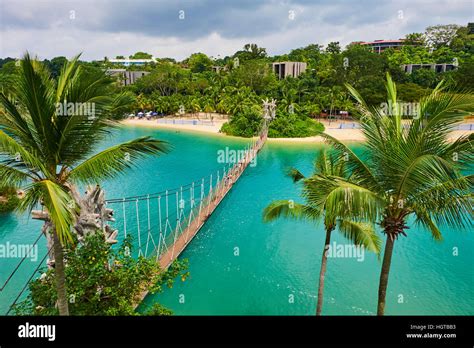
point(276, 270)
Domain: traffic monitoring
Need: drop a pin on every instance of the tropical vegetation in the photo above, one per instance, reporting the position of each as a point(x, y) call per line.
point(407, 171)
point(47, 152)
point(237, 83)
point(8, 199)
point(102, 280)
point(326, 205)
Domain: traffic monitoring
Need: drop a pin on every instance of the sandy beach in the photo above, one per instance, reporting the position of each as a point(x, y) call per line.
point(332, 128)
point(207, 128)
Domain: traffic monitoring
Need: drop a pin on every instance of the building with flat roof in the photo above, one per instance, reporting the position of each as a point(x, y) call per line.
point(381, 45)
point(126, 77)
point(285, 69)
point(130, 62)
point(409, 68)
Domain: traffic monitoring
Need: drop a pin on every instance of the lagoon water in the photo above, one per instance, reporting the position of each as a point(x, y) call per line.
point(241, 266)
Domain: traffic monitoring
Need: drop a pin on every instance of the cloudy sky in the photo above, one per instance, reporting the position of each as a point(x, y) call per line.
point(176, 28)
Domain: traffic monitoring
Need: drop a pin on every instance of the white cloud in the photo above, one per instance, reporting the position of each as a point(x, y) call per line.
point(107, 28)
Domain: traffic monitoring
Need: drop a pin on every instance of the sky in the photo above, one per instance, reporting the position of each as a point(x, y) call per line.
point(177, 28)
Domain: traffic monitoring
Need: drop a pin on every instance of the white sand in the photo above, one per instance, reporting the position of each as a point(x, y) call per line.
point(332, 128)
point(217, 124)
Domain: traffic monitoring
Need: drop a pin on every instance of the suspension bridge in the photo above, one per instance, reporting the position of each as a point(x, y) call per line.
point(163, 224)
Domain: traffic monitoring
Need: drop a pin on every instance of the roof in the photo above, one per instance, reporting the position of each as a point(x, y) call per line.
point(381, 41)
point(285, 62)
point(131, 60)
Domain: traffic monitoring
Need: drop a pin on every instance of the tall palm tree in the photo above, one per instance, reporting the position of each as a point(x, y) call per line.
point(328, 207)
point(407, 169)
point(48, 150)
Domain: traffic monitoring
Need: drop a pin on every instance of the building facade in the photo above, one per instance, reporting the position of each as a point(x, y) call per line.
point(127, 77)
point(409, 68)
point(285, 69)
point(381, 45)
point(130, 62)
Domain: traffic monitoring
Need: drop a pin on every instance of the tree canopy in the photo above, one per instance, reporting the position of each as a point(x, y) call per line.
point(238, 82)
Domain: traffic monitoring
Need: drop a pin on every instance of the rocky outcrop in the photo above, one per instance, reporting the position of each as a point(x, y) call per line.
point(93, 217)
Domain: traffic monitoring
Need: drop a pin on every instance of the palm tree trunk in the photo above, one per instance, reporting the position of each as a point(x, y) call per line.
point(387, 260)
point(60, 275)
point(322, 273)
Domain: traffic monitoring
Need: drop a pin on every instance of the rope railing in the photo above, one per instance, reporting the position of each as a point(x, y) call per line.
point(190, 212)
point(28, 282)
point(179, 214)
point(20, 262)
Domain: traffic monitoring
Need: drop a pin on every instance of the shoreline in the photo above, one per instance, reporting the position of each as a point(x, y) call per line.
point(349, 135)
point(212, 129)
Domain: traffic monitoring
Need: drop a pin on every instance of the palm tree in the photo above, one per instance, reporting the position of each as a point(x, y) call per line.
point(329, 207)
point(194, 106)
point(254, 51)
point(49, 151)
point(208, 105)
point(288, 97)
point(410, 169)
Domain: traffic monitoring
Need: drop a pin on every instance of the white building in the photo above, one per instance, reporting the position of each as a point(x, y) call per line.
point(284, 69)
point(409, 68)
point(130, 62)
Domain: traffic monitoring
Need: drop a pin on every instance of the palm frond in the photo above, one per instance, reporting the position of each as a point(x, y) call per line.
point(114, 160)
point(60, 205)
point(67, 74)
point(361, 233)
point(289, 209)
point(13, 177)
point(423, 170)
point(17, 154)
point(423, 218)
point(295, 174)
point(340, 198)
point(354, 164)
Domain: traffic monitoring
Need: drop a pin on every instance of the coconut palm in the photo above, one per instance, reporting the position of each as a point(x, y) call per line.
point(47, 149)
point(208, 105)
point(288, 98)
point(328, 207)
point(240, 99)
point(405, 170)
point(193, 105)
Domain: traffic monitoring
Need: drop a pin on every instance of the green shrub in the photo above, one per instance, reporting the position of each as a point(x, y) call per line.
point(102, 280)
point(9, 199)
point(245, 124)
point(285, 125)
point(292, 125)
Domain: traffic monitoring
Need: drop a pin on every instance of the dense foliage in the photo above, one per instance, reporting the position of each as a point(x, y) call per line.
point(236, 84)
point(8, 199)
point(294, 125)
point(102, 280)
point(47, 152)
point(404, 172)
